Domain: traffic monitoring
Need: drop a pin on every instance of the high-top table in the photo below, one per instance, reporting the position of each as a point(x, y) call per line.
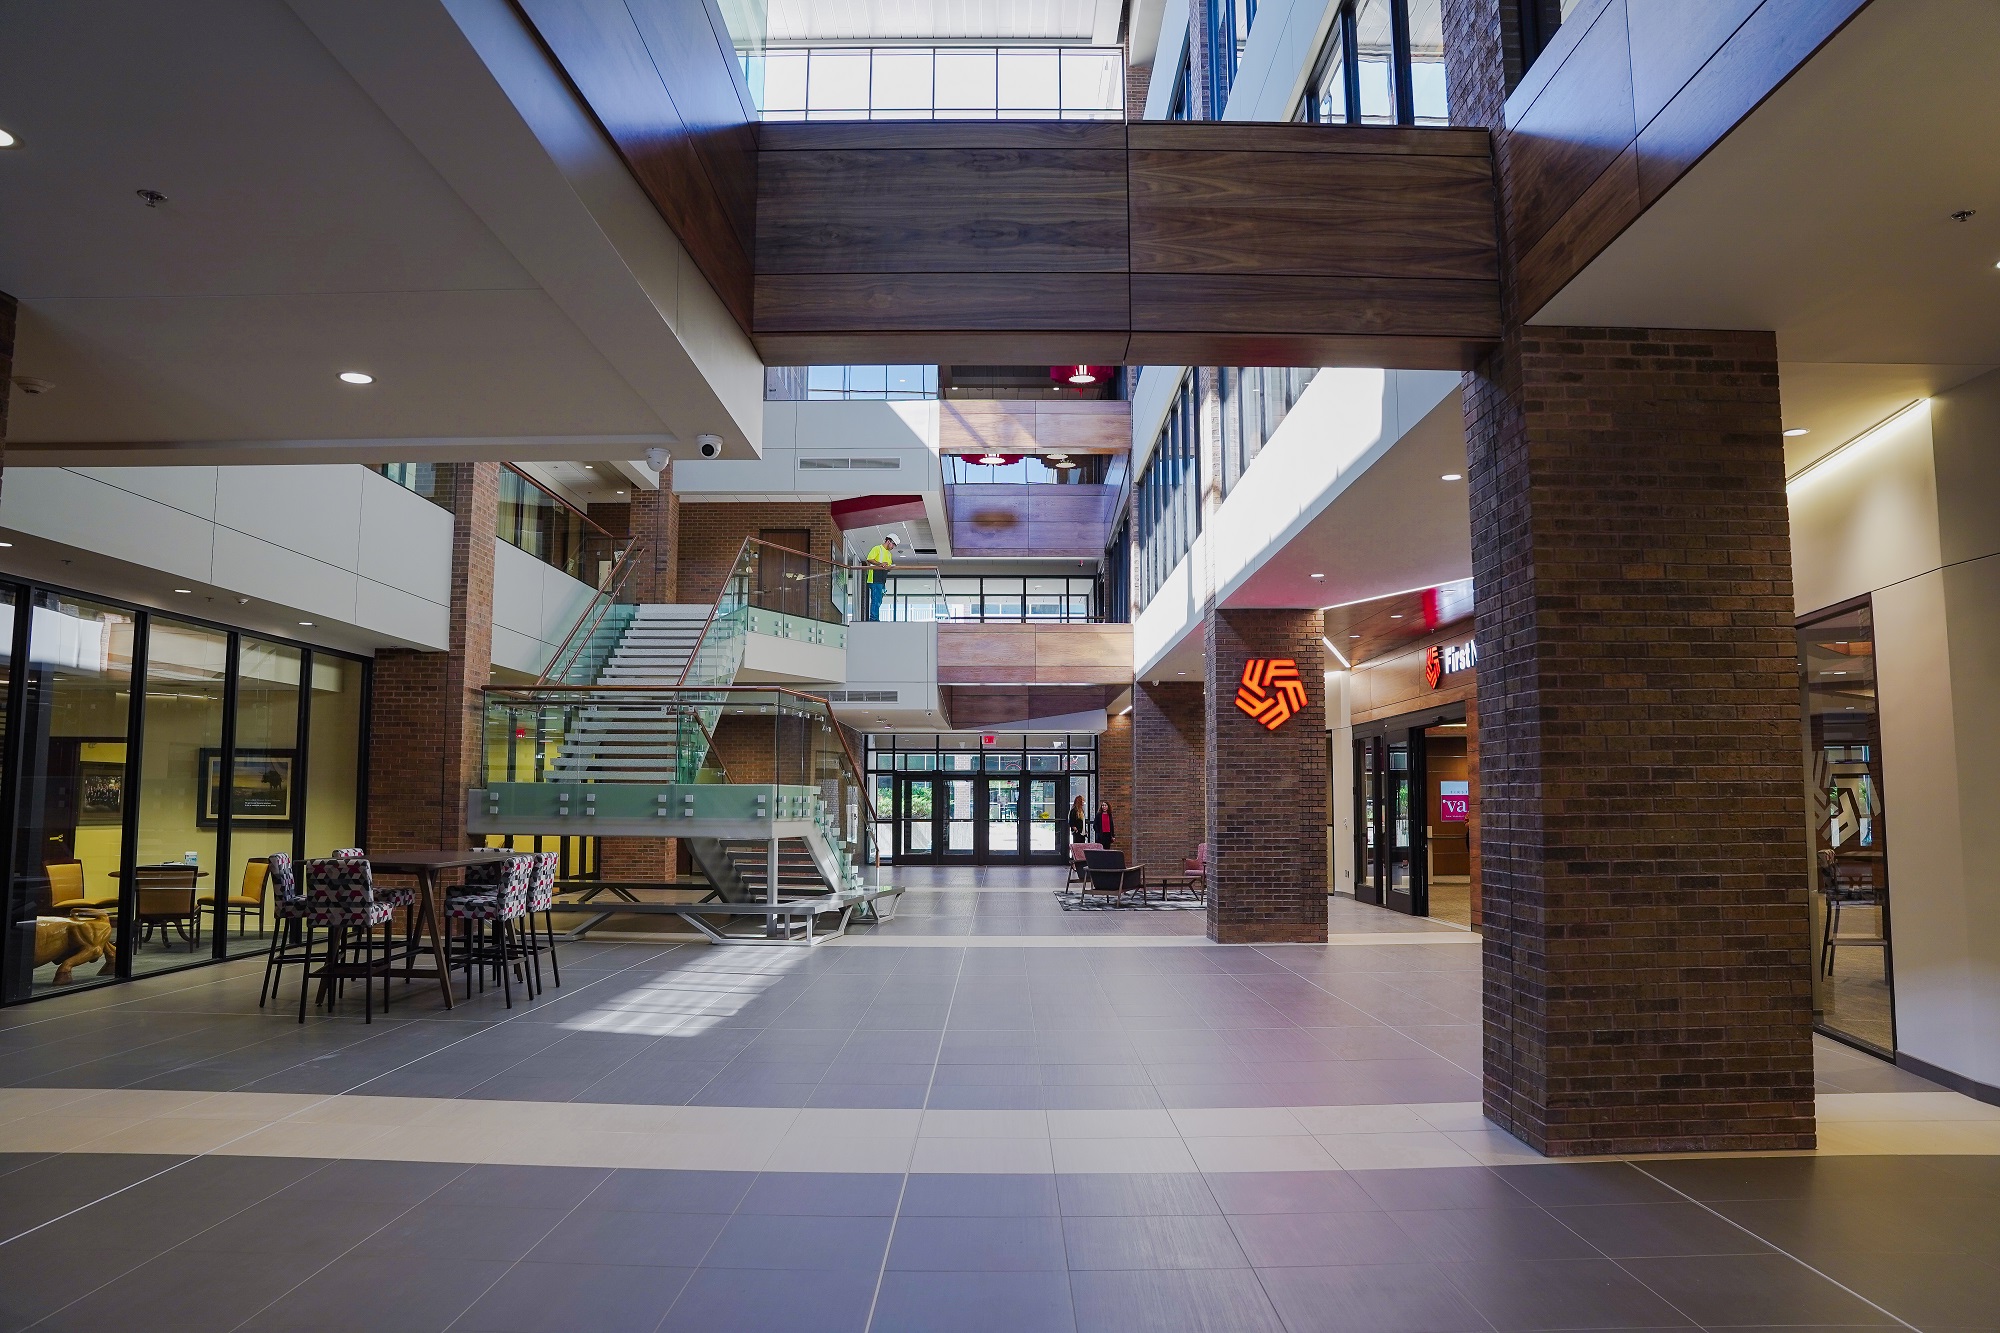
point(426, 866)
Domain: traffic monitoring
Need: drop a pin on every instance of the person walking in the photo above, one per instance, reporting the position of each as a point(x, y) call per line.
point(1107, 832)
point(1079, 821)
point(881, 558)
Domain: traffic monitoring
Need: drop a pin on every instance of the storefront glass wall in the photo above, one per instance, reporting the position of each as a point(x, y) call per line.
point(154, 766)
point(1854, 990)
point(977, 800)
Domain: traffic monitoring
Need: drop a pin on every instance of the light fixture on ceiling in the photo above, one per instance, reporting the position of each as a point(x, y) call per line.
point(1082, 375)
point(991, 460)
point(4, 545)
point(1354, 636)
point(1452, 476)
point(1836, 673)
point(1336, 652)
point(590, 467)
point(1055, 453)
point(1395, 615)
point(1066, 465)
point(7, 140)
point(184, 590)
point(356, 377)
point(618, 492)
point(1316, 576)
point(1796, 431)
point(306, 623)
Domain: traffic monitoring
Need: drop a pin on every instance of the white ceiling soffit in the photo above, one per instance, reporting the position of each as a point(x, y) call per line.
point(353, 191)
point(798, 21)
point(1826, 216)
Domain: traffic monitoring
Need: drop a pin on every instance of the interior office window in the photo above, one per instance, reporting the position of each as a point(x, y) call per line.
point(1375, 60)
point(181, 787)
point(1428, 103)
point(1180, 106)
point(1228, 33)
point(333, 755)
point(1168, 507)
point(266, 787)
point(69, 816)
point(1255, 401)
point(942, 83)
point(1855, 988)
point(1382, 64)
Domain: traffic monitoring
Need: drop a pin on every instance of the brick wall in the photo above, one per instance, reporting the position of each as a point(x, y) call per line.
point(1168, 815)
point(1138, 81)
point(426, 709)
point(712, 533)
point(646, 860)
point(655, 516)
point(1265, 808)
point(1114, 767)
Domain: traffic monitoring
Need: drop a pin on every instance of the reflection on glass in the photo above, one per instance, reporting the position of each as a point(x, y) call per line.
point(181, 784)
point(334, 756)
point(69, 823)
point(1855, 992)
point(1041, 814)
point(943, 83)
point(1427, 85)
point(1003, 814)
point(264, 809)
point(1375, 62)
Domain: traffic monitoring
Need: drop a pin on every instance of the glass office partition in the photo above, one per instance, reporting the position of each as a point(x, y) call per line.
point(1855, 979)
point(182, 779)
point(264, 787)
point(333, 755)
point(70, 796)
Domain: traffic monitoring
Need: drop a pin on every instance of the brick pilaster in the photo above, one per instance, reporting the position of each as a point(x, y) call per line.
point(425, 726)
point(1266, 789)
point(1167, 777)
point(1114, 769)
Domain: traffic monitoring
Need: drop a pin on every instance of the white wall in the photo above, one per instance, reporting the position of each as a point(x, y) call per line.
point(1907, 517)
point(534, 606)
point(336, 544)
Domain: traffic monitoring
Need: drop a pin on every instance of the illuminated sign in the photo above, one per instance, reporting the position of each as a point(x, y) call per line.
point(1454, 801)
point(1271, 690)
point(1441, 660)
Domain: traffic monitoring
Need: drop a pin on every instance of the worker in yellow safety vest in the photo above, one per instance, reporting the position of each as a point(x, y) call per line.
point(881, 557)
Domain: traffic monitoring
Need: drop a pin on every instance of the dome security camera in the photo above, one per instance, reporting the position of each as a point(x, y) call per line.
point(658, 457)
point(711, 445)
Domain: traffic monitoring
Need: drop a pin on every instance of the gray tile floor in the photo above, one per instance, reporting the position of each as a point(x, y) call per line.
point(109, 1242)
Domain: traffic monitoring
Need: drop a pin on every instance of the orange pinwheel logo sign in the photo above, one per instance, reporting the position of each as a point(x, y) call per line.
point(1271, 690)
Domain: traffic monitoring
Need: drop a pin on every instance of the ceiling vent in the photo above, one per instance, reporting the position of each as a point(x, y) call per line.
point(846, 464)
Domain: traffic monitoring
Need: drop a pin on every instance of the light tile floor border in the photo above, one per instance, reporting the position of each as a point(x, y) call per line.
point(1342, 940)
point(583, 1134)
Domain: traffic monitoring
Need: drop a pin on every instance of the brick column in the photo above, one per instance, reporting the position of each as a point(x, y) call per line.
point(1114, 770)
point(1167, 777)
point(1643, 884)
point(424, 728)
point(1642, 869)
point(656, 517)
point(1265, 811)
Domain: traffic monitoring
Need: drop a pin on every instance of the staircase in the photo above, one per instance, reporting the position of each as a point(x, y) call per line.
point(628, 742)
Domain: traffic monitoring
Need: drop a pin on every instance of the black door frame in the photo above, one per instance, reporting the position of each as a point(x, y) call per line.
point(1371, 746)
point(981, 853)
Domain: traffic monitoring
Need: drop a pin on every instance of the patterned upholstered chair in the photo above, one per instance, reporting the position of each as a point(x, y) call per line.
point(490, 920)
point(340, 897)
point(288, 912)
point(542, 898)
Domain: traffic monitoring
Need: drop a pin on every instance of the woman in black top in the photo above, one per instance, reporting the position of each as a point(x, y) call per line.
point(1106, 830)
point(1079, 821)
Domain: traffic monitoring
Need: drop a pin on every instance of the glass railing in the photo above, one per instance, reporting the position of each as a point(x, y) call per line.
point(618, 756)
point(429, 480)
point(534, 519)
point(595, 633)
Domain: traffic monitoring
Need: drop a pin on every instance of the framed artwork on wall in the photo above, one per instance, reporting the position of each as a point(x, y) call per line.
point(260, 795)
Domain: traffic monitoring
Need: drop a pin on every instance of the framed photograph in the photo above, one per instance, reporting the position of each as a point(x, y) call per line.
point(259, 797)
point(100, 794)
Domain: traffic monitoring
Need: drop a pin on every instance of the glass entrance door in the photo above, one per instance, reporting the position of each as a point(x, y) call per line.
point(1001, 831)
point(916, 820)
point(957, 821)
point(1047, 838)
point(1389, 833)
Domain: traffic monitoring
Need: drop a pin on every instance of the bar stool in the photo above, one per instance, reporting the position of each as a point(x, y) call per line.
point(340, 895)
point(542, 898)
point(287, 929)
point(490, 917)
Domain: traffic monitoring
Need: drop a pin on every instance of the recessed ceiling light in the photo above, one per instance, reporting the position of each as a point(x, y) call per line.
point(1318, 576)
point(2, 544)
point(1395, 615)
point(590, 467)
point(1798, 430)
point(1836, 673)
point(7, 140)
point(183, 589)
point(1180, 673)
point(355, 377)
point(1354, 636)
point(307, 623)
point(1452, 476)
point(1055, 453)
point(618, 492)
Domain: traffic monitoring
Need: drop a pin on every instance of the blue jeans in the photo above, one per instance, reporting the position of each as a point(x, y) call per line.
point(875, 590)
